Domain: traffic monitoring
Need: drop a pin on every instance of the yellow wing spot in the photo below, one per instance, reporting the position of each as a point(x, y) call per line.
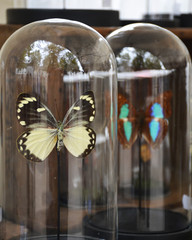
point(29, 99)
point(21, 141)
point(18, 110)
point(23, 123)
point(93, 136)
point(91, 101)
point(91, 118)
point(77, 108)
point(93, 112)
point(93, 106)
point(21, 148)
point(84, 96)
point(40, 109)
point(91, 147)
point(24, 101)
point(34, 99)
point(18, 117)
point(24, 135)
point(20, 105)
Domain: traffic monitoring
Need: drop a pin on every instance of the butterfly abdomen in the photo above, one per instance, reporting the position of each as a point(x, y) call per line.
point(60, 139)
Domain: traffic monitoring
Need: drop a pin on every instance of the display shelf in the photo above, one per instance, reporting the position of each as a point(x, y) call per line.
point(7, 29)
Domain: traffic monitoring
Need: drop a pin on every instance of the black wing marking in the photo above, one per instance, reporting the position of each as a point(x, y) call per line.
point(78, 137)
point(36, 144)
point(82, 112)
point(79, 140)
point(31, 113)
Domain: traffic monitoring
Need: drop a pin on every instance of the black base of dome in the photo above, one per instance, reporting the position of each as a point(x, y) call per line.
point(54, 237)
point(102, 18)
point(175, 225)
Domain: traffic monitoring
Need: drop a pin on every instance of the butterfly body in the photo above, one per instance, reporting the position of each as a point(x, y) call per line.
point(60, 135)
point(151, 124)
point(44, 131)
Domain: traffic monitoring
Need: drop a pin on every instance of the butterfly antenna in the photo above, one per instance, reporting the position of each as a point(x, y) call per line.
point(57, 110)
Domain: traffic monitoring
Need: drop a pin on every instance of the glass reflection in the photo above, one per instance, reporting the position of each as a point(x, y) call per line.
point(132, 59)
point(42, 54)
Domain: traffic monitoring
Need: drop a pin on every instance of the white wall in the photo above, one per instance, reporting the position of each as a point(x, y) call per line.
point(4, 4)
point(170, 6)
point(130, 9)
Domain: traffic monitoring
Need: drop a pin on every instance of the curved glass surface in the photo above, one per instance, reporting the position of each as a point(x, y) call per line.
point(153, 130)
point(57, 166)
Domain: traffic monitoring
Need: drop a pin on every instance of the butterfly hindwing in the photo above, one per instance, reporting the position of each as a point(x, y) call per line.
point(154, 131)
point(79, 140)
point(127, 122)
point(37, 144)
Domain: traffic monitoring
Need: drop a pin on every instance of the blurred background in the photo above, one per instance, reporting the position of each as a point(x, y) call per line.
point(128, 9)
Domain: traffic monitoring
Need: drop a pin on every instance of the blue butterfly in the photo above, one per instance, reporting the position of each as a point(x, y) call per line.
point(151, 124)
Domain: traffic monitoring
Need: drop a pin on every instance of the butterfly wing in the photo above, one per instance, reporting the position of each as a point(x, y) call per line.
point(31, 113)
point(82, 111)
point(78, 137)
point(156, 121)
point(79, 140)
point(127, 122)
point(37, 143)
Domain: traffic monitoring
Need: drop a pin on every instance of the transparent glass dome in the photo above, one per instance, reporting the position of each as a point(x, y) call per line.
point(58, 105)
point(154, 184)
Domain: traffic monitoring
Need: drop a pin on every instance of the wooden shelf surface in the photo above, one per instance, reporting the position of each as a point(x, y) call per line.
point(6, 30)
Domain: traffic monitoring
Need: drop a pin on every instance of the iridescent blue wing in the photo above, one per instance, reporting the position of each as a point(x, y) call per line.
point(156, 119)
point(127, 122)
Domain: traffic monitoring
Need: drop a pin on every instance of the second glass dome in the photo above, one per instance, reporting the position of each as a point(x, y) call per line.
point(154, 183)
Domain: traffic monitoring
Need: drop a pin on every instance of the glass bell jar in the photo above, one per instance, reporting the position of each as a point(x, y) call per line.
point(58, 151)
point(154, 183)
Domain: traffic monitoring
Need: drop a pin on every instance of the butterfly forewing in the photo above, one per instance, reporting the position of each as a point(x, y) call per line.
point(31, 113)
point(164, 101)
point(82, 111)
point(127, 122)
